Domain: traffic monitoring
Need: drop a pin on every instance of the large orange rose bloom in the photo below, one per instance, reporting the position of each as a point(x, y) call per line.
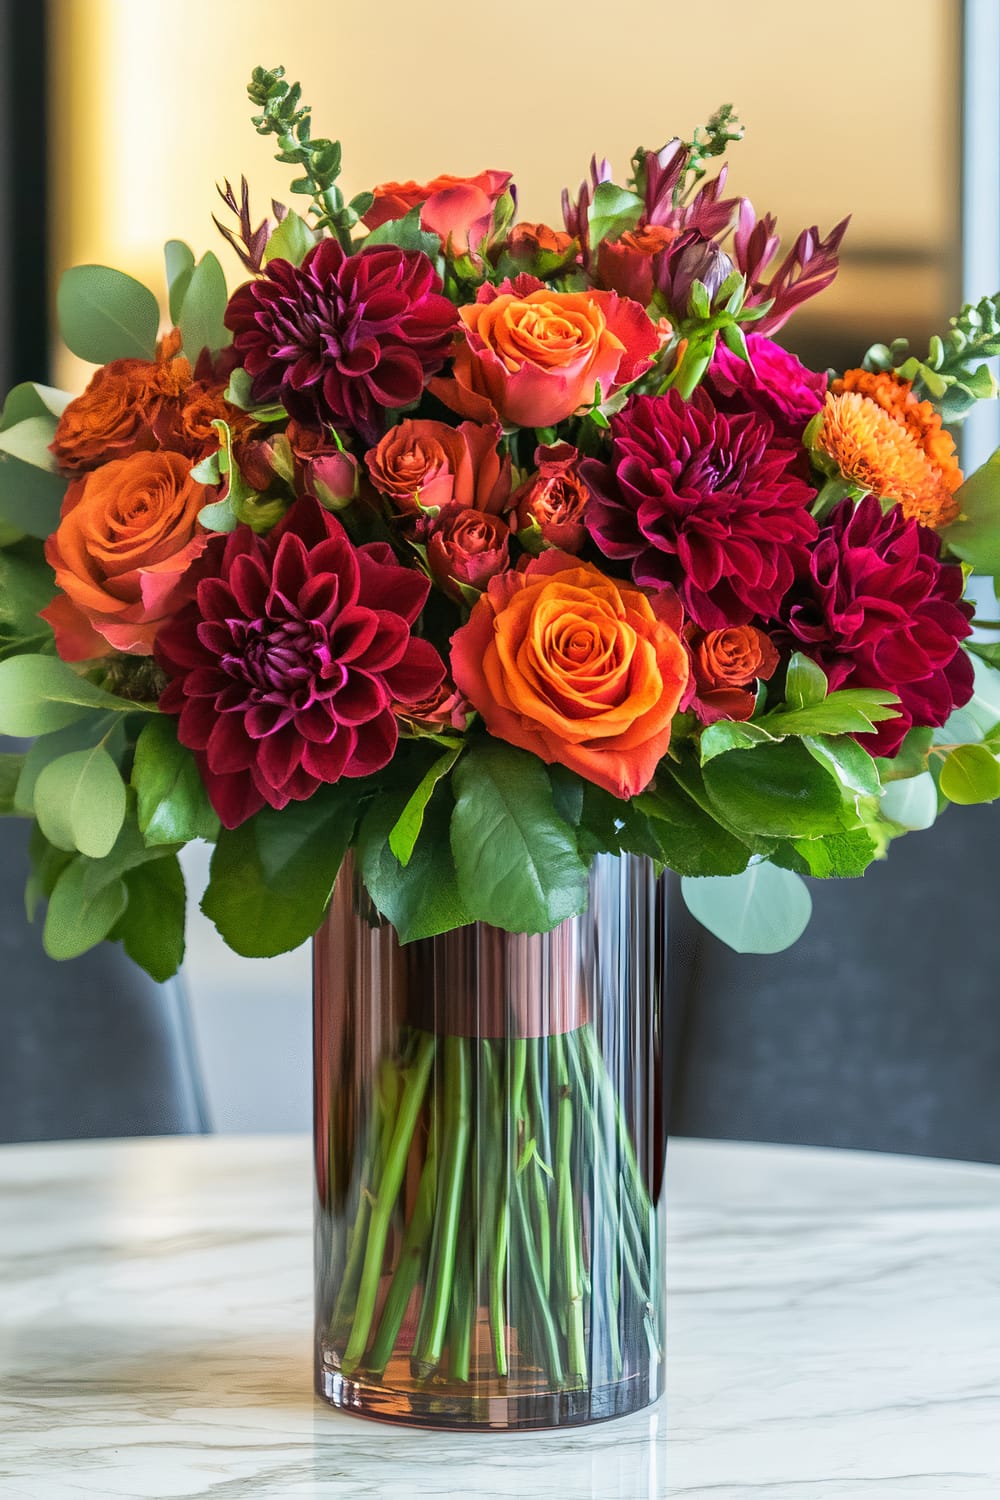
point(115, 415)
point(532, 357)
point(579, 669)
point(128, 533)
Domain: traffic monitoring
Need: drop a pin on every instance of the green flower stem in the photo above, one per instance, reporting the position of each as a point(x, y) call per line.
point(500, 1237)
point(410, 1105)
point(534, 1288)
point(429, 1343)
point(567, 1216)
point(540, 1165)
point(463, 1312)
point(379, 1138)
point(411, 1260)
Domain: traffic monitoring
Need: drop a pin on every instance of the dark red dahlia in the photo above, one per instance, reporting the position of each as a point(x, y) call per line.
point(877, 608)
point(775, 385)
point(703, 501)
point(341, 338)
point(286, 666)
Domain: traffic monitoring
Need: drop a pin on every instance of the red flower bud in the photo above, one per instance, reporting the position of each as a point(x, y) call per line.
point(466, 547)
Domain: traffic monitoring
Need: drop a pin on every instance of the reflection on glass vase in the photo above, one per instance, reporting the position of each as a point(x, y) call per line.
point(490, 1139)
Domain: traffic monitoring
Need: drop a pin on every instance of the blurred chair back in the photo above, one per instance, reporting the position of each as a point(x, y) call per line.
point(880, 1029)
point(90, 1047)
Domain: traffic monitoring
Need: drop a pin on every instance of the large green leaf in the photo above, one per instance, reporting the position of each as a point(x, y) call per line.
point(764, 910)
point(969, 775)
point(32, 400)
point(203, 308)
point(516, 858)
point(94, 728)
point(151, 928)
point(775, 790)
point(30, 442)
point(80, 802)
point(689, 839)
point(420, 898)
point(179, 261)
point(842, 855)
point(30, 497)
point(612, 211)
point(975, 536)
point(407, 234)
point(853, 765)
point(271, 879)
point(173, 806)
point(26, 586)
point(911, 803)
point(291, 240)
point(105, 315)
point(42, 693)
point(847, 711)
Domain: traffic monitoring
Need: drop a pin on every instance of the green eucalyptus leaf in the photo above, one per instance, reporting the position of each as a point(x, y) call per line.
point(517, 860)
point(105, 315)
point(203, 307)
point(969, 775)
point(975, 535)
point(80, 802)
point(29, 442)
point(30, 497)
point(272, 877)
point(172, 802)
point(11, 767)
point(291, 241)
point(27, 585)
point(42, 693)
point(94, 728)
point(911, 803)
point(179, 260)
point(29, 399)
point(77, 918)
point(764, 910)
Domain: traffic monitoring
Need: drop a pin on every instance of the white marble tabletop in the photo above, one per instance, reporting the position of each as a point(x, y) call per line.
point(834, 1327)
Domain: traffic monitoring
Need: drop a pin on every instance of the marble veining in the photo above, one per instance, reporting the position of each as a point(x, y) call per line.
point(834, 1327)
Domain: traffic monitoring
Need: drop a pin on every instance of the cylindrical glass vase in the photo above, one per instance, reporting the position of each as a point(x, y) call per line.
point(490, 1141)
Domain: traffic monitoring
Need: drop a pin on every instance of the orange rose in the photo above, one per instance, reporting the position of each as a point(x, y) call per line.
point(458, 209)
point(725, 663)
point(537, 248)
point(419, 464)
point(532, 357)
point(128, 533)
point(185, 426)
point(114, 417)
point(577, 668)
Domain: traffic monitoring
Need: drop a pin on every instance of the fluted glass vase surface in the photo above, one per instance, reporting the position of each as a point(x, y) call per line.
point(490, 1141)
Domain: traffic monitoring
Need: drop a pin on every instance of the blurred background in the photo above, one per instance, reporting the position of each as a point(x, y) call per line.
point(882, 1029)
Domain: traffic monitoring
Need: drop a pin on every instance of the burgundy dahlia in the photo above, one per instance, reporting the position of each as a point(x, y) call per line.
point(774, 384)
point(340, 338)
point(286, 666)
point(877, 608)
point(703, 501)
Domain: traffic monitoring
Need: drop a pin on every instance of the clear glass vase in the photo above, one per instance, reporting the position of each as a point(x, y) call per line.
point(490, 1117)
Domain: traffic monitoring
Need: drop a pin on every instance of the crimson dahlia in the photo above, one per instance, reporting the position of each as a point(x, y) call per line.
point(342, 338)
point(704, 501)
point(877, 608)
point(286, 667)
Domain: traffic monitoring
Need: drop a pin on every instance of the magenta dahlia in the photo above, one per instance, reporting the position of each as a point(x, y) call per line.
point(286, 667)
point(774, 384)
point(707, 502)
point(341, 338)
point(877, 608)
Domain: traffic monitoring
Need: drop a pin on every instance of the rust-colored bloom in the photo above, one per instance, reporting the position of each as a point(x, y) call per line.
point(121, 553)
point(459, 209)
point(918, 417)
point(446, 708)
point(540, 249)
point(881, 455)
point(420, 464)
point(115, 415)
point(465, 548)
point(725, 663)
point(553, 500)
point(625, 265)
point(580, 669)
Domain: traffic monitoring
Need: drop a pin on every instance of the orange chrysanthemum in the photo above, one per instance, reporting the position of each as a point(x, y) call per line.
point(918, 417)
point(883, 455)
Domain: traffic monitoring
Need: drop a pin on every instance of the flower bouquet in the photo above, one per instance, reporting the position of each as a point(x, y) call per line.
point(455, 577)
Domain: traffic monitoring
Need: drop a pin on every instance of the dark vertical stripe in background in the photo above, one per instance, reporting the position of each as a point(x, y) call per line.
point(24, 345)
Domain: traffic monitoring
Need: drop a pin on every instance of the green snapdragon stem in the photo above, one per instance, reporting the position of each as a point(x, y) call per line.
point(411, 1101)
point(411, 1260)
point(428, 1346)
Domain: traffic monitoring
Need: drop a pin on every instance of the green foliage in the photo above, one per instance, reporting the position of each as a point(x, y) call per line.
point(975, 535)
point(11, 767)
point(94, 728)
point(271, 878)
point(202, 308)
point(852, 765)
point(42, 693)
point(406, 830)
point(172, 803)
point(912, 803)
point(31, 490)
point(776, 791)
point(516, 858)
point(240, 504)
point(291, 240)
point(105, 315)
point(950, 374)
point(843, 855)
point(763, 910)
point(407, 234)
point(179, 261)
point(612, 212)
point(422, 897)
point(689, 839)
point(80, 801)
point(805, 682)
point(79, 917)
point(970, 774)
point(26, 586)
point(151, 928)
